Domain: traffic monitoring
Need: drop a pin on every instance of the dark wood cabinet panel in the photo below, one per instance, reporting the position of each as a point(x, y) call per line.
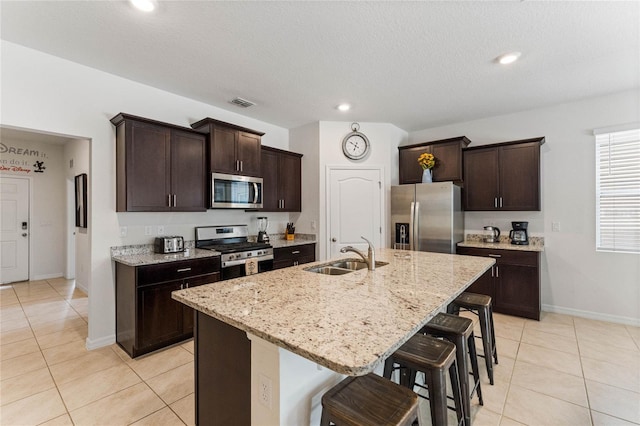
point(188, 171)
point(147, 318)
point(159, 316)
point(159, 166)
point(513, 282)
point(232, 149)
point(187, 312)
point(481, 179)
point(409, 169)
point(222, 148)
point(448, 154)
point(503, 176)
point(248, 153)
point(269, 164)
point(484, 284)
point(517, 291)
point(282, 180)
point(284, 257)
point(229, 401)
point(520, 177)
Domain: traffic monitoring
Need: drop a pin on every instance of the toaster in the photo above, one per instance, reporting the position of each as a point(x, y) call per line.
point(173, 244)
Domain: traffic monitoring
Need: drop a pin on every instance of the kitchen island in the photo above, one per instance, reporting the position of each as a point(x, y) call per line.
point(271, 344)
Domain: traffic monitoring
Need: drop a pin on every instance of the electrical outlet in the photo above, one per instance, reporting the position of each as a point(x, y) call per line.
point(160, 230)
point(123, 231)
point(264, 390)
point(555, 226)
point(313, 224)
point(148, 230)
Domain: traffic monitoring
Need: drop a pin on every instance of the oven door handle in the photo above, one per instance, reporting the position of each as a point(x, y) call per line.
point(230, 263)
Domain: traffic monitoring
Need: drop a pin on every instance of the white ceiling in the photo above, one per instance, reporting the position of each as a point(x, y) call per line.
point(412, 64)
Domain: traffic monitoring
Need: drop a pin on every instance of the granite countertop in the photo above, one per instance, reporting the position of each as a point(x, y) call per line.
point(280, 241)
point(476, 241)
point(348, 323)
point(141, 257)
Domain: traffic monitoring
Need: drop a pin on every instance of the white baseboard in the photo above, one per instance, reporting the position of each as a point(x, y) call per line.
point(47, 276)
point(82, 287)
point(100, 343)
point(592, 315)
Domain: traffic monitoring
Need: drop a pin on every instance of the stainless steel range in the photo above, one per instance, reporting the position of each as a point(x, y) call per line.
point(232, 242)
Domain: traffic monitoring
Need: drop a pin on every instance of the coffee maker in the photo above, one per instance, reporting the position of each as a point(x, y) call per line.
point(519, 234)
point(263, 224)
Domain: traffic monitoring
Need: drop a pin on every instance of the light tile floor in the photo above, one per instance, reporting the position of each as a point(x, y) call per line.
point(562, 370)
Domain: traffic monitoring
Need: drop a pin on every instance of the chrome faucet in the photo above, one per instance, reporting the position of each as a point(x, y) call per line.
point(370, 259)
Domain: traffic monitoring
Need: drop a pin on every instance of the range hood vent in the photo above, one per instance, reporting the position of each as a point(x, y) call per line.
point(243, 103)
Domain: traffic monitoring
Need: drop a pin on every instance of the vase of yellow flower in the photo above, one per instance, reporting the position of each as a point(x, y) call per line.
point(426, 161)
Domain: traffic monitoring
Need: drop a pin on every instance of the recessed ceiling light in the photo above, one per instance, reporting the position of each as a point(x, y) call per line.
point(144, 5)
point(344, 107)
point(508, 58)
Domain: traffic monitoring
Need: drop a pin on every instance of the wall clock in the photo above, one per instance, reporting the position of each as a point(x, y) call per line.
point(355, 145)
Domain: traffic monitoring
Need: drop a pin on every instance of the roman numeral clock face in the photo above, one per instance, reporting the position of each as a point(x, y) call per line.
point(355, 145)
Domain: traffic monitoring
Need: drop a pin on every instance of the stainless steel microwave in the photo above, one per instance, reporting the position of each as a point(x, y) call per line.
point(235, 192)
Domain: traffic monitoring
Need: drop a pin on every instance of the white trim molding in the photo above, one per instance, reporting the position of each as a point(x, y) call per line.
point(592, 315)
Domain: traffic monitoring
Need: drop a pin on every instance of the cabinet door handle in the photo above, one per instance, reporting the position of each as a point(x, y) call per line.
point(492, 273)
point(169, 199)
point(184, 270)
point(295, 252)
point(497, 272)
point(295, 263)
point(500, 202)
point(283, 204)
point(175, 202)
point(186, 285)
point(495, 202)
point(241, 165)
point(181, 286)
point(495, 255)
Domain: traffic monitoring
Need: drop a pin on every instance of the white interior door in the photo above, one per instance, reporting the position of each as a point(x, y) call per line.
point(14, 238)
point(354, 208)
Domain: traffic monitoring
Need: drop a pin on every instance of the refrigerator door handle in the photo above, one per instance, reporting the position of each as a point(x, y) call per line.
point(416, 227)
point(412, 226)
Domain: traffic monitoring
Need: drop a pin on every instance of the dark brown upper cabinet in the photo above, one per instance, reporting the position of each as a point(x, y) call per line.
point(503, 176)
point(232, 149)
point(448, 153)
point(282, 180)
point(159, 166)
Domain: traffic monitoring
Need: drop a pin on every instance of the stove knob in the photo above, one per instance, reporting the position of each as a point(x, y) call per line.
point(249, 254)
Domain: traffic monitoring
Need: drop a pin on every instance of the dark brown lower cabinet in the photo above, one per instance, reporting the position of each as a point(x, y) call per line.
point(283, 257)
point(147, 318)
point(513, 282)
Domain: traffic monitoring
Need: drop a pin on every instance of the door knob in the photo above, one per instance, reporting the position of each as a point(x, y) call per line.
point(333, 240)
point(24, 234)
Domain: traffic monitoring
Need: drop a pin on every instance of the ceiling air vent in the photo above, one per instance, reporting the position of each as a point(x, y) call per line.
point(243, 103)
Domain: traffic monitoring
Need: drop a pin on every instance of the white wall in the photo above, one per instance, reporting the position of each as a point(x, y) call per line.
point(48, 207)
point(43, 92)
point(575, 278)
point(305, 140)
point(77, 152)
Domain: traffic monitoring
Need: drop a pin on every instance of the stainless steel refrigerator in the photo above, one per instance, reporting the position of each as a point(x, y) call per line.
point(426, 217)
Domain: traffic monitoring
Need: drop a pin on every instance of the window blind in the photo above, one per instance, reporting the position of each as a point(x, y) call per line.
point(618, 191)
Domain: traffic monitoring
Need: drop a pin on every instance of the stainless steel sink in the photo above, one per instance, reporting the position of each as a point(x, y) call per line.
point(341, 267)
point(355, 265)
point(328, 270)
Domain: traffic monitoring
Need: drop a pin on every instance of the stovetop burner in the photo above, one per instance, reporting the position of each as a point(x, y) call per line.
point(235, 247)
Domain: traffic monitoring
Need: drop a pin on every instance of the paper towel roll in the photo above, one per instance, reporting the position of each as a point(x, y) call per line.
point(251, 267)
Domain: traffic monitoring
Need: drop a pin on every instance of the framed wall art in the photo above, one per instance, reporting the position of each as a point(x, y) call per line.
point(81, 200)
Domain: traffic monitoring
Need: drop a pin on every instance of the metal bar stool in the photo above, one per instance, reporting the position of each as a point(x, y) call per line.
point(369, 401)
point(433, 357)
point(459, 331)
point(480, 305)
